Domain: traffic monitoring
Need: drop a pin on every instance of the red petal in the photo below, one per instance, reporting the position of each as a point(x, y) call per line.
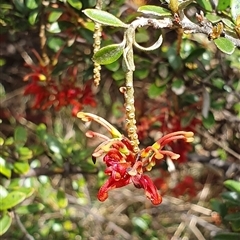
point(111, 184)
point(145, 182)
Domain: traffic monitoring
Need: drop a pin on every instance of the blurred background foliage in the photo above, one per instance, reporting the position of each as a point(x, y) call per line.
point(48, 181)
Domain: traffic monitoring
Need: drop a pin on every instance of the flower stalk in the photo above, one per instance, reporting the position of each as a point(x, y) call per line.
point(97, 36)
point(128, 90)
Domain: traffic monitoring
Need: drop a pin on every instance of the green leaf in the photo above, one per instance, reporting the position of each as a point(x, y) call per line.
point(224, 45)
point(235, 9)
point(140, 223)
point(219, 207)
point(41, 131)
point(61, 198)
point(21, 167)
point(223, 4)
point(118, 75)
point(154, 10)
point(213, 18)
point(209, 121)
point(31, 4)
point(11, 200)
point(30, 208)
point(174, 60)
point(155, 91)
point(231, 197)
point(232, 185)
point(233, 217)
point(5, 168)
point(113, 66)
point(104, 18)
point(205, 4)
point(9, 141)
point(20, 136)
point(75, 4)
point(28, 191)
point(55, 15)
point(109, 54)
point(228, 23)
point(33, 17)
point(141, 73)
point(226, 236)
point(24, 154)
point(55, 43)
point(20, 6)
point(54, 28)
point(5, 223)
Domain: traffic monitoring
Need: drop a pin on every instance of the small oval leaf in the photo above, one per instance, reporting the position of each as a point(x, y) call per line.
point(224, 45)
point(108, 54)
point(75, 4)
point(104, 18)
point(20, 136)
point(11, 200)
point(5, 223)
point(155, 10)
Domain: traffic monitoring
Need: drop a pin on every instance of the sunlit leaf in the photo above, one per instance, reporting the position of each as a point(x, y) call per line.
point(28, 191)
point(21, 167)
point(155, 10)
point(104, 18)
point(33, 17)
point(32, 4)
point(224, 45)
point(205, 4)
point(223, 4)
point(75, 4)
point(54, 15)
point(62, 199)
point(12, 199)
point(232, 185)
point(108, 54)
point(5, 223)
point(5, 169)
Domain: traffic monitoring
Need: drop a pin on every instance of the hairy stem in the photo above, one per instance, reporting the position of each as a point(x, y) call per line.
point(97, 36)
point(43, 39)
point(129, 89)
point(130, 112)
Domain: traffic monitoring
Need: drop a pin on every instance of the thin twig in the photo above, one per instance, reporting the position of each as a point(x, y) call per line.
point(215, 141)
point(22, 227)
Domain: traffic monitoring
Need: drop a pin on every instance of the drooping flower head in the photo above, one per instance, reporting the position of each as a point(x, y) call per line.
point(123, 165)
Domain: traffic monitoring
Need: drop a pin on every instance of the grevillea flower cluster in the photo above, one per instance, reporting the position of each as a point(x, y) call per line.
point(57, 93)
point(123, 165)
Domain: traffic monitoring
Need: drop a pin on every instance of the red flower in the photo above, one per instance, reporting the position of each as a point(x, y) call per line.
point(50, 92)
point(123, 165)
point(186, 186)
